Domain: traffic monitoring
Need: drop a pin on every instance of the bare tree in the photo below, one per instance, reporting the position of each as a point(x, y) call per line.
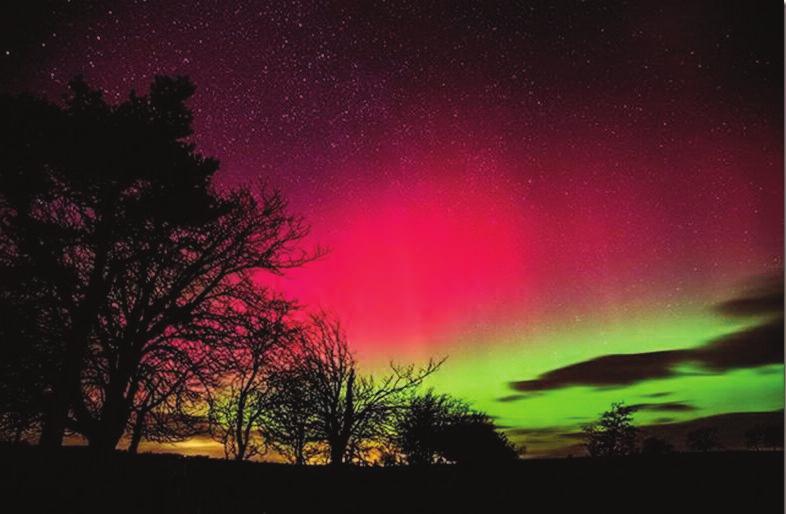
point(289, 424)
point(174, 305)
point(238, 406)
point(166, 408)
point(352, 412)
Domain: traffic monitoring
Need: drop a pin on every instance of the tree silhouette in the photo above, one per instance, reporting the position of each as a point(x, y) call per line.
point(76, 183)
point(21, 388)
point(419, 428)
point(115, 251)
point(351, 411)
point(436, 428)
point(473, 438)
point(237, 408)
point(171, 313)
point(165, 419)
point(703, 439)
point(613, 434)
point(289, 424)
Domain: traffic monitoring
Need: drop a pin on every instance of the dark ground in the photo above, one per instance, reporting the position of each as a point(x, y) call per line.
point(73, 481)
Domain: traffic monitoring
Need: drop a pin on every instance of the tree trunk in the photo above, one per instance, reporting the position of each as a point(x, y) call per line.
point(240, 442)
point(111, 425)
point(300, 450)
point(336, 453)
point(136, 434)
point(105, 438)
point(20, 429)
point(66, 389)
point(338, 446)
point(63, 394)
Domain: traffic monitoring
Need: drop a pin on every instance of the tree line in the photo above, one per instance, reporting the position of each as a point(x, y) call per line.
point(131, 305)
point(614, 435)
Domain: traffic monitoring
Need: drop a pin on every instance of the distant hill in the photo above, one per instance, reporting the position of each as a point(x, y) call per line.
point(730, 427)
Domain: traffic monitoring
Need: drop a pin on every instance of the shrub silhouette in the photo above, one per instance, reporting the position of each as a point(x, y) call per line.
point(474, 439)
point(437, 428)
point(419, 428)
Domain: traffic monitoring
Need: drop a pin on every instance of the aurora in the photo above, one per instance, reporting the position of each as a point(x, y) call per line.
point(523, 191)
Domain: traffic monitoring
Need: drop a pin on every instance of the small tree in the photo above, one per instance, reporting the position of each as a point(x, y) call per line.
point(289, 423)
point(703, 440)
point(613, 434)
point(237, 409)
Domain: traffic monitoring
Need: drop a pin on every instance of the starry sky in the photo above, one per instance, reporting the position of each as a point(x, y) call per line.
point(571, 201)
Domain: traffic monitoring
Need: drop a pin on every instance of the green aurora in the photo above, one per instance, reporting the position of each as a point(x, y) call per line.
point(483, 375)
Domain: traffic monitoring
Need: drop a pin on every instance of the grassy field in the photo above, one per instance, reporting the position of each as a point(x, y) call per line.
point(74, 481)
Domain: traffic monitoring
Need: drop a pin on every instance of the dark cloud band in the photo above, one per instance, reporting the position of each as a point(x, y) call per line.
point(748, 348)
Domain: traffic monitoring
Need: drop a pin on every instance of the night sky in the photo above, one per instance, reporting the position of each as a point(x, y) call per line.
point(569, 200)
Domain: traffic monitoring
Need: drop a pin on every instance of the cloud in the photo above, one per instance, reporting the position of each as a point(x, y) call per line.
point(765, 297)
point(609, 370)
point(545, 431)
point(748, 348)
point(511, 398)
point(659, 394)
point(665, 407)
point(518, 396)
